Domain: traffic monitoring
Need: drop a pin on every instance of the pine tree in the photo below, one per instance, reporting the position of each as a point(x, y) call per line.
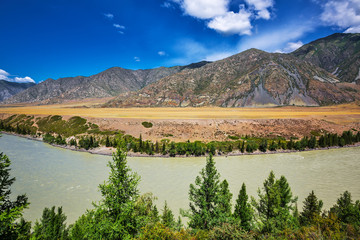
point(225, 200)
point(346, 210)
point(107, 142)
point(167, 217)
point(311, 210)
point(242, 147)
point(243, 210)
point(10, 211)
point(121, 187)
point(52, 225)
point(205, 200)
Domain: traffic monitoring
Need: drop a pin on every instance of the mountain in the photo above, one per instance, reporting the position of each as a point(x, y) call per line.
point(250, 78)
point(8, 89)
point(108, 83)
point(339, 54)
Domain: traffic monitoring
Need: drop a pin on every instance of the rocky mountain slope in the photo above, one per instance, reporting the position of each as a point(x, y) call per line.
point(108, 83)
point(8, 89)
point(250, 78)
point(339, 54)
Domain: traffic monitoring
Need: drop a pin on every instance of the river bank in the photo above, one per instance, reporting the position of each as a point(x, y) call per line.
point(108, 151)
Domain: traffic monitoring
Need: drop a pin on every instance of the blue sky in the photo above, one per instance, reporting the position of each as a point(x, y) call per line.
point(43, 39)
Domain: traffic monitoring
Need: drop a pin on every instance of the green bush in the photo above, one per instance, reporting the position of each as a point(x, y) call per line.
point(147, 124)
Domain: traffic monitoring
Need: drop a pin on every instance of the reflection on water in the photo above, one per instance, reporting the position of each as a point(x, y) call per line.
point(53, 176)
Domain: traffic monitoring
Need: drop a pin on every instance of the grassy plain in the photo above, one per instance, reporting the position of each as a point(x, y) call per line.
point(338, 113)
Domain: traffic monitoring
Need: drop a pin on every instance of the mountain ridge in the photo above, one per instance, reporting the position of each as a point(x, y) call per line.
point(8, 89)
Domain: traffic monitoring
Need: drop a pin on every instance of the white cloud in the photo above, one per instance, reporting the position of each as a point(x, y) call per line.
point(162, 53)
point(118, 26)
point(261, 7)
point(342, 13)
point(137, 59)
point(192, 51)
point(276, 39)
point(353, 30)
point(167, 5)
point(204, 9)
point(6, 76)
point(109, 15)
point(23, 80)
point(218, 16)
point(290, 47)
point(232, 23)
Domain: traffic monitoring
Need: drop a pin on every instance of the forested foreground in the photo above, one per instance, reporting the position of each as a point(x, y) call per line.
point(123, 213)
point(81, 134)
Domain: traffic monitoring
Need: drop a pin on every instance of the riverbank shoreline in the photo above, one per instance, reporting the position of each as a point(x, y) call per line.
point(108, 151)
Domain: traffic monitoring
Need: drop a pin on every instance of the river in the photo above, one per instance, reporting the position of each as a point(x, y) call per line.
point(54, 176)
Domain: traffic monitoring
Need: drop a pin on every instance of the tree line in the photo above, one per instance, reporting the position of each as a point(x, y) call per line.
point(123, 213)
point(79, 133)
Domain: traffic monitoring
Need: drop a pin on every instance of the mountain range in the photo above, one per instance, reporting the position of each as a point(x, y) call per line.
point(8, 89)
point(323, 72)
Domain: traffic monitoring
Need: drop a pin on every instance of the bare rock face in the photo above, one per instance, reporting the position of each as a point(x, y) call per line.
point(8, 89)
point(338, 54)
point(108, 83)
point(249, 79)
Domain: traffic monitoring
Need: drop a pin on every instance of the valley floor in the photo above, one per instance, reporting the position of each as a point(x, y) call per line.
point(206, 124)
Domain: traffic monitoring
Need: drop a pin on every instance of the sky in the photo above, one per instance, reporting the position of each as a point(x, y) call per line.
point(41, 39)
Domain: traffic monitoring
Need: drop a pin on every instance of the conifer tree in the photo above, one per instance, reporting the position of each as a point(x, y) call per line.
point(10, 211)
point(205, 198)
point(52, 225)
point(167, 217)
point(243, 210)
point(311, 210)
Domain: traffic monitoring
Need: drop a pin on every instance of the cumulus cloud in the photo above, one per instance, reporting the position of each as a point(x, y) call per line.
point(218, 17)
point(342, 13)
point(232, 23)
point(137, 59)
point(118, 26)
point(109, 15)
point(7, 77)
point(261, 7)
point(162, 53)
point(205, 9)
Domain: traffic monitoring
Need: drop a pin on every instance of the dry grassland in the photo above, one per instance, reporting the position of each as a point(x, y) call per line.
point(340, 113)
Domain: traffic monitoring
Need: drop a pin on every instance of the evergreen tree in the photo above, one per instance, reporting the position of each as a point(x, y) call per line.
point(167, 217)
point(311, 210)
point(242, 147)
point(346, 210)
point(263, 145)
point(10, 211)
point(107, 142)
point(52, 225)
point(243, 210)
point(274, 204)
point(225, 200)
point(205, 200)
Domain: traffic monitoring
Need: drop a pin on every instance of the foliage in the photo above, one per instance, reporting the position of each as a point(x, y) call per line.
point(229, 231)
point(311, 210)
point(167, 217)
point(243, 210)
point(274, 204)
point(10, 211)
point(147, 124)
point(207, 204)
point(51, 226)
